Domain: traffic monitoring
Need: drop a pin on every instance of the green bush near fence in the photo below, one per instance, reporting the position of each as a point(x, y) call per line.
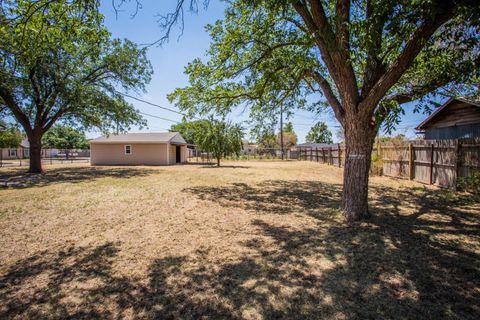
point(470, 183)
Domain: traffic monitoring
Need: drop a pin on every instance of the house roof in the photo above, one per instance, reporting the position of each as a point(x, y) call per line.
point(24, 143)
point(150, 137)
point(434, 114)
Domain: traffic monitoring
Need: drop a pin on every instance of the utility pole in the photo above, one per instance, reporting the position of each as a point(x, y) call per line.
point(281, 131)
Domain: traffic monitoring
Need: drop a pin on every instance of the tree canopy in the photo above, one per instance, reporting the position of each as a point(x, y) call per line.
point(63, 137)
point(265, 53)
point(266, 139)
point(288, 127)
point(319, 133)
point(10, 136)
point(221, 138)
point(191, 131)
point(58, 61)
point(289, 137)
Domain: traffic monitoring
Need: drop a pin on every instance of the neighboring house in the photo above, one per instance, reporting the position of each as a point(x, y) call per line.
point(249, 148)
point(20, 152)
point(162, 148)
point(456, 119)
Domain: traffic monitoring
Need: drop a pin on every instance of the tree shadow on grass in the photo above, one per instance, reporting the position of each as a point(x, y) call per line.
point(416, 258)
point(80, 283)
point(214, 166)
point(20, 179)
point(274, 196)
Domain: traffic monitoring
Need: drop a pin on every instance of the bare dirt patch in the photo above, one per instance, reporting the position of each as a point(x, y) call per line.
point(254, 240)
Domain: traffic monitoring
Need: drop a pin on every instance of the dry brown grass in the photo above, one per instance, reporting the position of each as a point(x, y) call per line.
point(255, 240)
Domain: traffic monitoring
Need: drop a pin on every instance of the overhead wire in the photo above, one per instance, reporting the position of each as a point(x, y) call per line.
point(153, 104)
point(157, 117)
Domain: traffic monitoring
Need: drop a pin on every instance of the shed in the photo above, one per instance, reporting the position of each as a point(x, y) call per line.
point(455, 119)
point(156, 148)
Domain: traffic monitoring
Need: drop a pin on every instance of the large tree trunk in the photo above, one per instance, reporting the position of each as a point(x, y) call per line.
point(218, 162)
point(359, 138)
point(35, 140)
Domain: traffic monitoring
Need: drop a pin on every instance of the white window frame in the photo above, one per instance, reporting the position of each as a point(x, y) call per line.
point(12, 152)
point(129, 149)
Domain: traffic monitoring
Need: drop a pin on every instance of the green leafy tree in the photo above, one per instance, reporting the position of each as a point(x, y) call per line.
point(10, 137)
point(319, 133)
point(267, 139)
point(288, 128)
point(221, 138)
point(367, 59)
point(65, 138)
point(58, 61)
point(397, 138)
point(289, 139)
point(190, 130)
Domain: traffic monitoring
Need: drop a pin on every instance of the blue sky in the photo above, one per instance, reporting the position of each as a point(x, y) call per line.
point(170, 60)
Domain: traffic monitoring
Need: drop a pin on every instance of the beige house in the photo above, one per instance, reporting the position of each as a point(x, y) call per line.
point(22, 151)
point(161, 148)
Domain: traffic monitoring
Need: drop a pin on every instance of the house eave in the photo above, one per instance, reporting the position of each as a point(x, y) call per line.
point(422, 125)
point(127, 142)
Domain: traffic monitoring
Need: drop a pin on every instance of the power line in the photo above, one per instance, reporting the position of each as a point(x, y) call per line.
point(152, 104)
point(161, 118)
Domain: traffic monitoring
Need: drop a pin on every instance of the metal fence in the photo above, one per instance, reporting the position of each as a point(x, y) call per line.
point(199, 156)
point(18, 157)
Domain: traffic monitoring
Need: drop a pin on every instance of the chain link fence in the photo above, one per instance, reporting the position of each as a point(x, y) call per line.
point(20, 157)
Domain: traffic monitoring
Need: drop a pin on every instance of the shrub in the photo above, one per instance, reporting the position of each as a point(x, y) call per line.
point(470, 183)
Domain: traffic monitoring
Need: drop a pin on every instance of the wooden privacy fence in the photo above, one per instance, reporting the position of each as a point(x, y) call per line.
point(332, 155)
point(439, 162)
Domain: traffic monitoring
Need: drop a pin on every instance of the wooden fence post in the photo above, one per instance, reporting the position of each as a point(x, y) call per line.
point(330, 155)
point(458, 162)
point(339, 158)
point(411, 163)
point(431, 163)
point(316, 153)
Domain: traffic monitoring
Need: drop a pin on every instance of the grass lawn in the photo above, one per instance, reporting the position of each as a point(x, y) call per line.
point(251, 240)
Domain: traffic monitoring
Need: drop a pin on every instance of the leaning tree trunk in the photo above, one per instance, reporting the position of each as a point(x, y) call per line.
point(359, 138)
point(35, 141)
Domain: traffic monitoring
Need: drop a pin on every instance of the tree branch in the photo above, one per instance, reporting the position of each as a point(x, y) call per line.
point(328, 92)
point(374, 67)
point(333, 55)
point(405, 59)
point(15, 109)
point(342, 20)
point(265, 54)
